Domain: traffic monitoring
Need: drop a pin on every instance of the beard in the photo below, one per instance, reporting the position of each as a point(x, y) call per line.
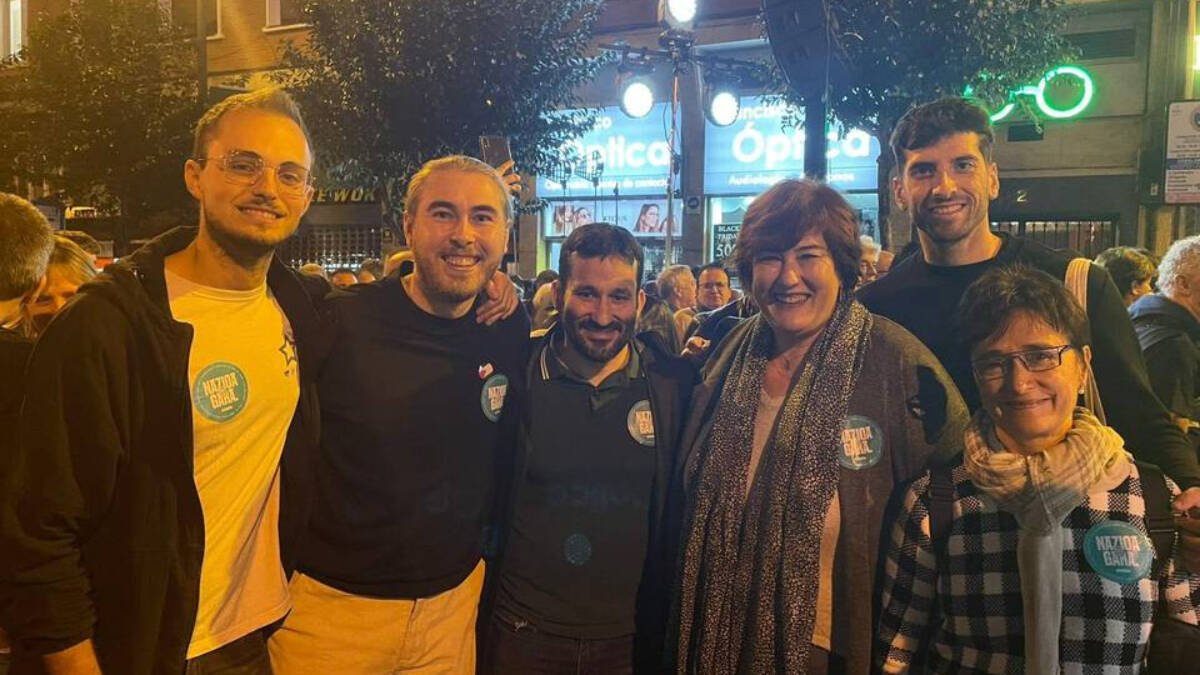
point(443, 287)
point(573, 327)
point(245, 246)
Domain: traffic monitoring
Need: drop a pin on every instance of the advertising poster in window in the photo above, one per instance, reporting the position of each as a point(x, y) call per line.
point(724, 237)
point(644, 216)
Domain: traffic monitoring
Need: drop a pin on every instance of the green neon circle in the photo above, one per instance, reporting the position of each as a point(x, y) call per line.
point(1003, 112)
point(1089, 90)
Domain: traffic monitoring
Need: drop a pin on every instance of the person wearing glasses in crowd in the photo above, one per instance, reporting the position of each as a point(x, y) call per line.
point(1042, 561)
point(169, 422)
point(808, 415)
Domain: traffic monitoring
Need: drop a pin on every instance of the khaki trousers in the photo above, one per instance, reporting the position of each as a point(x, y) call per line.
point(330, 631)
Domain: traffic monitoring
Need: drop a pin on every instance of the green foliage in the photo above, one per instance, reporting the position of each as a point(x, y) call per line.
point(101, 108)
point(386, 86)
point(903, 52)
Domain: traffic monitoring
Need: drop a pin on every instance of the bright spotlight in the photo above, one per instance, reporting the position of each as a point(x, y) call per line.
point(722, 107)
point(637, 98)
point(677, 14)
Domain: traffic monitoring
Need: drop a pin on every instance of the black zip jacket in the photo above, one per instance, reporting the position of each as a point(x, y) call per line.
point(1170, 339)
point(102, 534)
point(669, 379)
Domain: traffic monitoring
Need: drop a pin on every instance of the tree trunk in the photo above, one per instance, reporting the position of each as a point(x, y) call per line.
point(884, 166)
point(387, 210)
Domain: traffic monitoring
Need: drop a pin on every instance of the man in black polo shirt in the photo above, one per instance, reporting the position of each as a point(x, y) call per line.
point(582, 584)
point(946, 180)
point(417, 423)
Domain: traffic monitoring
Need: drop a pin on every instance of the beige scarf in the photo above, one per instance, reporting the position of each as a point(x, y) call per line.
point(1040, 489)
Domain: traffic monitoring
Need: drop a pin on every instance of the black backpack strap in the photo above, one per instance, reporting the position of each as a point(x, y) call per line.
point(1160, 522)
point(941, 507)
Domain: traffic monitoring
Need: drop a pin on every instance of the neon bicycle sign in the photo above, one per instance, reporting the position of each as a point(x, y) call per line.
point(1038, 92)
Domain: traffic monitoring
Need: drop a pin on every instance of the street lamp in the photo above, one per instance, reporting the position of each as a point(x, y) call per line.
point(721, 103)
point(677, 14)
point(637, 96)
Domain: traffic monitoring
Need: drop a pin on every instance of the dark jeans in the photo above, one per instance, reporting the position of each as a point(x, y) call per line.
point(244, 656)
point(515, 647)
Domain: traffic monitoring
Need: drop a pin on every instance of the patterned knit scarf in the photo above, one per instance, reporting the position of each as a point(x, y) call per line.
point(748, 585)
point(1040, 490)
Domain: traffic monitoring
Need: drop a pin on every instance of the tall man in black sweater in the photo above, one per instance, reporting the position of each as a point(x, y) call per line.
point(417, 422)
point(583, 584)
point(946, 179)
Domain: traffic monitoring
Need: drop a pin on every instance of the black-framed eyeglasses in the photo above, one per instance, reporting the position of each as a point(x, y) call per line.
point(242, 167)
point(1034, 360)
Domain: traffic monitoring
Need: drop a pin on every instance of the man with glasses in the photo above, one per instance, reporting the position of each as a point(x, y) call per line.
point(169, 428)
point(946, 180)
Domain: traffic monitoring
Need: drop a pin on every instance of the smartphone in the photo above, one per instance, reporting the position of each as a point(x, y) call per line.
point(494, 150)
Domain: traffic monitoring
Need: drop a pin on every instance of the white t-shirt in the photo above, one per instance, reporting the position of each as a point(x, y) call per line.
point(244, 382)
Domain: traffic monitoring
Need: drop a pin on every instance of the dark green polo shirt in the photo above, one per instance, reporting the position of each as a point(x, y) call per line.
point(581, 523)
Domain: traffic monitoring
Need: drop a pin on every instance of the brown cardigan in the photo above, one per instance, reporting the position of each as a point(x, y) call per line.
point(907, 393)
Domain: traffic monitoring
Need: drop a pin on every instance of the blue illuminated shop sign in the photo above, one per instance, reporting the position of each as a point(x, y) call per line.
point(632, 152)
point(757, 151)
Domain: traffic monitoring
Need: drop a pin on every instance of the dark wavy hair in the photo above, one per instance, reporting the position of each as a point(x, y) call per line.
point(925, 125)
point(600, 240)
point(990, 303)
point(780, 217)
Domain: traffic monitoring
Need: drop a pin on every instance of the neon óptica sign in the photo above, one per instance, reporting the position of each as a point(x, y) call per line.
point(1038, 92)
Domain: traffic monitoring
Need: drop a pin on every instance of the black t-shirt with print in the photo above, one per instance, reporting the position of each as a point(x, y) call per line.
point(417, 421)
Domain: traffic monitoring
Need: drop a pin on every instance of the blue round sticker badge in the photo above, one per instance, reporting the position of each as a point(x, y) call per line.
point(577, 549)
point(220, 391)
point(862, 443)
point(1118, 551)
point(491, 398)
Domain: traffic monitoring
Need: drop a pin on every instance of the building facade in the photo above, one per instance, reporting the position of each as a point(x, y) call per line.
point(1085, 180)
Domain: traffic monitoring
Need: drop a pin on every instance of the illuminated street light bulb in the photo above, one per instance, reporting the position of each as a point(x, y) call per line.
point(678, 14)
point(723, 107)
point(637, 98)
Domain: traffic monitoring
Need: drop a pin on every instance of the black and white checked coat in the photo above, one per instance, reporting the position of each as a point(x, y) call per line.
point(963, 614)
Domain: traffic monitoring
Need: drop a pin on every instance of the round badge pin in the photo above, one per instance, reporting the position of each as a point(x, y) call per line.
point(491, 397)
point(640, 422)
point(577, 549)
point(220, 391)
point(862, 443)
point(1118, 551)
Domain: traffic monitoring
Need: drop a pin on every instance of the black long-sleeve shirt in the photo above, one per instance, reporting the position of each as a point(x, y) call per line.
point(924, 299)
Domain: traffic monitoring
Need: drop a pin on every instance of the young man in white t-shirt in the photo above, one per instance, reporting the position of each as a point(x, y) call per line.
point(170, 421)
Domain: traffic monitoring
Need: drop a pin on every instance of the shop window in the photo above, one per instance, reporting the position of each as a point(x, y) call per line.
point(1105, 44)
point(333, 246)
point(1087, 237)
point(284, 13)
point(212, 18)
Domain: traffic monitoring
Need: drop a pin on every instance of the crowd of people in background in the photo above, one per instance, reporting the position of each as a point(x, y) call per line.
point(813, 457)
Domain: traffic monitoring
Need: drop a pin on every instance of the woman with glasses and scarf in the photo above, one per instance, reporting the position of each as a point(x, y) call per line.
point(808, 415)
point(1037, 558)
